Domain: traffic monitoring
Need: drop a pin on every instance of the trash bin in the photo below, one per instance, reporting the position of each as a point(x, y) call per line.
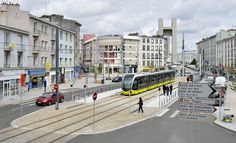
point(102, 81)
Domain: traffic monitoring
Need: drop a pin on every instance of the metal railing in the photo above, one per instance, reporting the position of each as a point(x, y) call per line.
point(89, 92)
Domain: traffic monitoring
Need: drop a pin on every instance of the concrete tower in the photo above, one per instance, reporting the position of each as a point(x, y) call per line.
point(171, 34)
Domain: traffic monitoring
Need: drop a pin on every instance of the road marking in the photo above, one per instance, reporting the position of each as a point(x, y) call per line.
point(162, 113)
point(22, 107)
point(174, 114)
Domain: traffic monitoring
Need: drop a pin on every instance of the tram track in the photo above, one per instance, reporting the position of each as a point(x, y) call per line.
point(76, 114)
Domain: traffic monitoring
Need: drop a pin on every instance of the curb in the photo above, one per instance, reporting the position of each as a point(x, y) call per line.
point(214, 122)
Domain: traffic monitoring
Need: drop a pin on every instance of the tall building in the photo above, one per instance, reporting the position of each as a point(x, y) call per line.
point(170, 33)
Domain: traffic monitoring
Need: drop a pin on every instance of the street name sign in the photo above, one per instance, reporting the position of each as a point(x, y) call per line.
point(206, 101)
point(196, 108)
point(191, 116)
point(195, 89)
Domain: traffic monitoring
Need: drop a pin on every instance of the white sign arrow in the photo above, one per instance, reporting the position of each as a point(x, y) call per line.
point(199, 108)
point(195, 89)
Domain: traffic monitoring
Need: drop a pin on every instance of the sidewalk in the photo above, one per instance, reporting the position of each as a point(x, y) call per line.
point(228, 108)
point(64, 87)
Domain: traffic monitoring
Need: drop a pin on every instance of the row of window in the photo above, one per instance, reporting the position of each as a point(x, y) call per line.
point(148, 40)
point(151, 55)
point(66, 49)
point(66, 61)
point(66, 36)
point(152, 48)
point(151, 63)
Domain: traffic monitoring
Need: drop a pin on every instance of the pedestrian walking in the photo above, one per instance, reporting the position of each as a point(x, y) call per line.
point(164, 89)
point(171, 89)
point(140, 103)
point(167, 90)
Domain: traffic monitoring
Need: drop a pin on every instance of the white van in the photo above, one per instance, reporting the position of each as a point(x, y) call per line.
point(220, 81)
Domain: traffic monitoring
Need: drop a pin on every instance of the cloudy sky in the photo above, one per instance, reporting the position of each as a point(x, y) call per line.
point(196, 18)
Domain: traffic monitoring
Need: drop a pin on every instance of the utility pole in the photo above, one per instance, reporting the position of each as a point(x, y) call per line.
point(57, 65)
point(122, 56)
point(183, 56)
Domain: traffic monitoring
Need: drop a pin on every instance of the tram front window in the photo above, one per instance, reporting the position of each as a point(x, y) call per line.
point(127, 82)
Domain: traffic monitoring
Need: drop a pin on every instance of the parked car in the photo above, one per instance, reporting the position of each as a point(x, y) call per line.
point(117, 79)
point(220, 81)
point(49, 98)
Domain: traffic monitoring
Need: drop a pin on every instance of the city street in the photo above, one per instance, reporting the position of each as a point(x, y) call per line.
point(12, 111)
point(165, 129)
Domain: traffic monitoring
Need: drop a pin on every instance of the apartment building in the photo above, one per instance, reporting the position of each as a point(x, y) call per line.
point(131, 53)
point(151, 53)
point(111, 46)
point(29, 44)
point(226, 52)
point(211, 49)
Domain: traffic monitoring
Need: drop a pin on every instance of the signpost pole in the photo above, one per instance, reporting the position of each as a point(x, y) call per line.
point(93, 114)
point(21, 108)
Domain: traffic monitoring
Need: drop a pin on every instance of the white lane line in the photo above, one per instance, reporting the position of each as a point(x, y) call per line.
point(174, 114)
point(162, 113)
point(22, 107)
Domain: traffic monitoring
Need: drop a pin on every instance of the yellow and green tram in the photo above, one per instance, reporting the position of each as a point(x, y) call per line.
point(138, 83)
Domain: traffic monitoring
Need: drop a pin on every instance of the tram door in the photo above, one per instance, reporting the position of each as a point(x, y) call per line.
point(6, 89)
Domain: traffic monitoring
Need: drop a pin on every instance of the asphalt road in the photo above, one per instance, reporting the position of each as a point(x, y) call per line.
point(164, 130)
point(11, 112)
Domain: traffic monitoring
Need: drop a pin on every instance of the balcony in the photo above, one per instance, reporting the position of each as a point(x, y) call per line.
point(9, 46)
point(36, 33)
point(36, 50)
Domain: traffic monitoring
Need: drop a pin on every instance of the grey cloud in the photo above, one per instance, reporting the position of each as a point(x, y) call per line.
point(196, 18)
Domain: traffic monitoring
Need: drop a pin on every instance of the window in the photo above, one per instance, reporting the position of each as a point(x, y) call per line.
point(70, 61)
point(70, 37)
point(143, 47)
point(45, 60)
point(46, 30)
point(42, 45)
point(66, 61)
point(143, 63)
point(160, 41)
point(144, 57)
point(143, 40)
point(147, 40)
point(156, 48)
point(152, 41)
point(156, 41)
point(148, 48)
point(61, 35)
point(152, 48)
point(71, 49)
point(42, 28)
point(45, 45)
point(41, 61)
point(148, 55)
point(152, 55)
point(60, 61)
point(148, 63)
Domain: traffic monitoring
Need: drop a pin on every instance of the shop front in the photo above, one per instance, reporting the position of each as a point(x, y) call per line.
point(36, 78)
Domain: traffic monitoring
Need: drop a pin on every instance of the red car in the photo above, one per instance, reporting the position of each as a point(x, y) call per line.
point(49, 98)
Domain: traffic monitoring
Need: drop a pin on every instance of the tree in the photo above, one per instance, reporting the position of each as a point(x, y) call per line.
point(194, 62)
point(99, 68)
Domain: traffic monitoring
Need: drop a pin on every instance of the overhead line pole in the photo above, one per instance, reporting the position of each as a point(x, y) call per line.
point(57, 65)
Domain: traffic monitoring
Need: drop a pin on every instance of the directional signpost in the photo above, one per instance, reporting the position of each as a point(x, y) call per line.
point(193, 100)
